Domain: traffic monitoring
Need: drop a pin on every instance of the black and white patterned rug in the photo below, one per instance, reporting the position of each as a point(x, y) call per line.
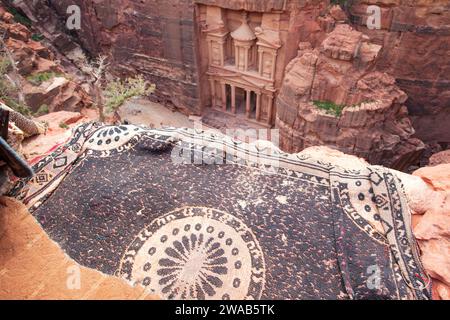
point(195, 215)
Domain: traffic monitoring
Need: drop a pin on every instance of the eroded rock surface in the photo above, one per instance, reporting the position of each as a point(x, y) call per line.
point(43, 81)
point(59, 125)
point(440, 158)
point(158, 38)
point(415, 36)
point(155, 38)
point(431, 223)
point(374, 121)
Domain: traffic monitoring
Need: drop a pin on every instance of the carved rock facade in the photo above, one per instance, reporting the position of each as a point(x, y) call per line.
point(204, 54)
point(167, 41)
point(242, 62)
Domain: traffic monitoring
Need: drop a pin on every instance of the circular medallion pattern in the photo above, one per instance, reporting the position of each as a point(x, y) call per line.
point(196, 253)
point(111, 137)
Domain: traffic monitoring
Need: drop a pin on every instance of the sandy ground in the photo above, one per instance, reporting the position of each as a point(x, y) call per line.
point(151, 114)
point(140, 112)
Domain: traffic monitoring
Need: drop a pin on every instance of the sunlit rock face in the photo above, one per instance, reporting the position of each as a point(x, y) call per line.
point(161, 38)
point(416, 45)
point(33, 58)
point(431, 222)
point(156, 38)
point(370, 119)
point(164, 40)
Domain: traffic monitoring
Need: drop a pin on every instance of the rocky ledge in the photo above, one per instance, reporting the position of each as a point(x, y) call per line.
point(44, 83)
point(331, 96)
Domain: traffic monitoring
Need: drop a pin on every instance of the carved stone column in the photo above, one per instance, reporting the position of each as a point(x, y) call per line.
point(222, 52)
point(213, 92)
point(224, 96)
point(210, 52)
point(236, 56)
point(258, 106)
point(269, 109)
point(260, 62)
point(247, 103)
point(247, 52)
point(274, 64)
point(233, 99)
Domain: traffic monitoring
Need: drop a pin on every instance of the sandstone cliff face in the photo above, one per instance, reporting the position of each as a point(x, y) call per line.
point(155, 38)
point(416, 51)
point(159, 38)
point(440, 158)
point(32, 58)
point(374, 123)
point(431, 225)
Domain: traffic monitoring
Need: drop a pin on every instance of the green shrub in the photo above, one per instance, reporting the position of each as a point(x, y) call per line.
point(39, 78)
point(63, 125)
point(5, 64)
point(118, 91)
point(329, 107)
point(5, 87)
point(20, 18)
point(16, 105)
point(37, 37)
point(7, 90)
point(42, 110)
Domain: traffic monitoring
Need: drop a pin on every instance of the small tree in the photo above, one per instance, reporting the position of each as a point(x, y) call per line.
point(116, 92)
point(97, 70)
point(11, 89)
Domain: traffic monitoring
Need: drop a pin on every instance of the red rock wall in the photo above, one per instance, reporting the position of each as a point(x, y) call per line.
point(374, 123)
point(152, 37)
point(159, 38)
point(416, 48)
point(60, 92)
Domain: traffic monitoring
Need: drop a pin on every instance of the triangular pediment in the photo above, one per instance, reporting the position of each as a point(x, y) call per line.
point(244, 80)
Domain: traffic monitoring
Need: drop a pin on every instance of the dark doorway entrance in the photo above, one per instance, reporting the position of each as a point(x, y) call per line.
point(252, 105)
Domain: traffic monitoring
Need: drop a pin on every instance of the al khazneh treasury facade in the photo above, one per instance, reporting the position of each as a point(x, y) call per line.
point(240, 51)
